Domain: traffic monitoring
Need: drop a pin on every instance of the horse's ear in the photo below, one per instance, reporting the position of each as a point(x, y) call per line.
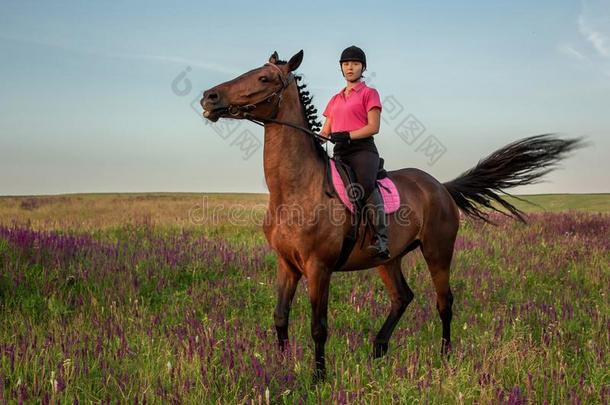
point(295, 61)
point(274, 57)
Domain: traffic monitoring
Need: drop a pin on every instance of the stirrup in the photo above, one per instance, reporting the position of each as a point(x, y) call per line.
point(379, 249)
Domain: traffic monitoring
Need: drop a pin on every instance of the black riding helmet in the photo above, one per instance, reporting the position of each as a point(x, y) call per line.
point(353, 53)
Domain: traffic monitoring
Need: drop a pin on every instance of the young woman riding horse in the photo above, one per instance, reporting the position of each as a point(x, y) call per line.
point(294, 163)
point(352, 118)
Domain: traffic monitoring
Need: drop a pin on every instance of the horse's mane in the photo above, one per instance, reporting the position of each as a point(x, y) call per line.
point(309, 113)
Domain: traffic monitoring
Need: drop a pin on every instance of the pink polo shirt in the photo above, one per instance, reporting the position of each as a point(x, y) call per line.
point(351, 113)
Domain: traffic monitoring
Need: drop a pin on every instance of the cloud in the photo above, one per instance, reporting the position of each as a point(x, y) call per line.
point(212, 66)
point(597, 39)
point(590, 45)
point(182, 61)
point(568, 49)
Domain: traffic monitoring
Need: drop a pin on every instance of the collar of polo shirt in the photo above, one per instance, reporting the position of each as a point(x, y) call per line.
point(356, 88)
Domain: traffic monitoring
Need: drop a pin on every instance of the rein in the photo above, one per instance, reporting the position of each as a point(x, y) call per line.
point(243, 111)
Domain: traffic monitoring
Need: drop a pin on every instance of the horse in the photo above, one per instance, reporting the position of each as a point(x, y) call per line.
point(295, 164)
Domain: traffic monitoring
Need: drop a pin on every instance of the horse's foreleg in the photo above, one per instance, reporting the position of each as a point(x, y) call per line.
point(318, 282)
point(287, 279)
point(400, 296)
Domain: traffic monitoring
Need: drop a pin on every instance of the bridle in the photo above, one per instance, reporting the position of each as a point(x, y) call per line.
point(237, 111)
point(244, 112)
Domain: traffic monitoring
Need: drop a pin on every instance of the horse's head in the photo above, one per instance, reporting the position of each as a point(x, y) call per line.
point(259, 89)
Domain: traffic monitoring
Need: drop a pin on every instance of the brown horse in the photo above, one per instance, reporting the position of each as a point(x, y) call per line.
point(302, 224)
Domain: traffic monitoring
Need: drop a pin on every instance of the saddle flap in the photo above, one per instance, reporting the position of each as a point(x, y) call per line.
point(342, 174)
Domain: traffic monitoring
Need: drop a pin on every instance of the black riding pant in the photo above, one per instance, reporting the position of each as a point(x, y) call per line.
point(365, 164)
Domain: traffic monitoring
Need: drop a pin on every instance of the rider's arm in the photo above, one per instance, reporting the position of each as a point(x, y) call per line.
point(325, 128)
point(369, 129)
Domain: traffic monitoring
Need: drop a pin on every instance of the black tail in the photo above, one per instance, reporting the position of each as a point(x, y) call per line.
point(516, 164)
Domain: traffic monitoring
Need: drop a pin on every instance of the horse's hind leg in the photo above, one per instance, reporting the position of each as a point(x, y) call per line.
point(400, 296)
point(438, 257)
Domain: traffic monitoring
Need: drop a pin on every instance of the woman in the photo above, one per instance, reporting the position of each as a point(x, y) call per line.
point(352, 118)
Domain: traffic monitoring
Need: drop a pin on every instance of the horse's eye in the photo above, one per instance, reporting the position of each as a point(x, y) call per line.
point(263, 79)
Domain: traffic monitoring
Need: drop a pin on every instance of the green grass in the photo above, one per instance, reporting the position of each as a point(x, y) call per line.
point(183, 313)
point(564, 202)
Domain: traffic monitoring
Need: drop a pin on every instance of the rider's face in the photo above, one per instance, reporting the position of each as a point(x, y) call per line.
point(352, 70)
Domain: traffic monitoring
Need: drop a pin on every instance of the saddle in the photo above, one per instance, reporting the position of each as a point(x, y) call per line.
point(342, 177)
point(338, 175)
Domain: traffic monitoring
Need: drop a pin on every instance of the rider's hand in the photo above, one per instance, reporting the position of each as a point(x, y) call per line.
point(337, 137)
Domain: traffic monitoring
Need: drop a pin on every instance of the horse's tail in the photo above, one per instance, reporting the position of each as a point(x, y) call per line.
point(519, 163)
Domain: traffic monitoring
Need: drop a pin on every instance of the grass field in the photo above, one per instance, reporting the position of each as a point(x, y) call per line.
point(169, 298)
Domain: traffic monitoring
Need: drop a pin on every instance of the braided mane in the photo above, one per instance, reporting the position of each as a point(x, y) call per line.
point(309, 112)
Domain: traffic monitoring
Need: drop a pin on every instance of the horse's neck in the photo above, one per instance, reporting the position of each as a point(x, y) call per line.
point(292, 167)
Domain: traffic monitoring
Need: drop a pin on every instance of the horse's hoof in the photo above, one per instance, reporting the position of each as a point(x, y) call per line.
point(282, 345)
point(445, 349)
point(379, 350)
point(318, 376)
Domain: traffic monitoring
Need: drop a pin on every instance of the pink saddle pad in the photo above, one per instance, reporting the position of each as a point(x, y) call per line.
point(391, 198)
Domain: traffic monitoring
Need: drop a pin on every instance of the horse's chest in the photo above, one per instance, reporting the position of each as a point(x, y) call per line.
point(287, 235)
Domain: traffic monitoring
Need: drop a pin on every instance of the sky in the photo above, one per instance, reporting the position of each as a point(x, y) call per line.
point(102, 96)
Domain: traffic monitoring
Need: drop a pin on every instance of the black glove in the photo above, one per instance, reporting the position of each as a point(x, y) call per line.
point(337, 137)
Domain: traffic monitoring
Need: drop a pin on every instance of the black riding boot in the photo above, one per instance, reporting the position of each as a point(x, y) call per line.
point(380, 247)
